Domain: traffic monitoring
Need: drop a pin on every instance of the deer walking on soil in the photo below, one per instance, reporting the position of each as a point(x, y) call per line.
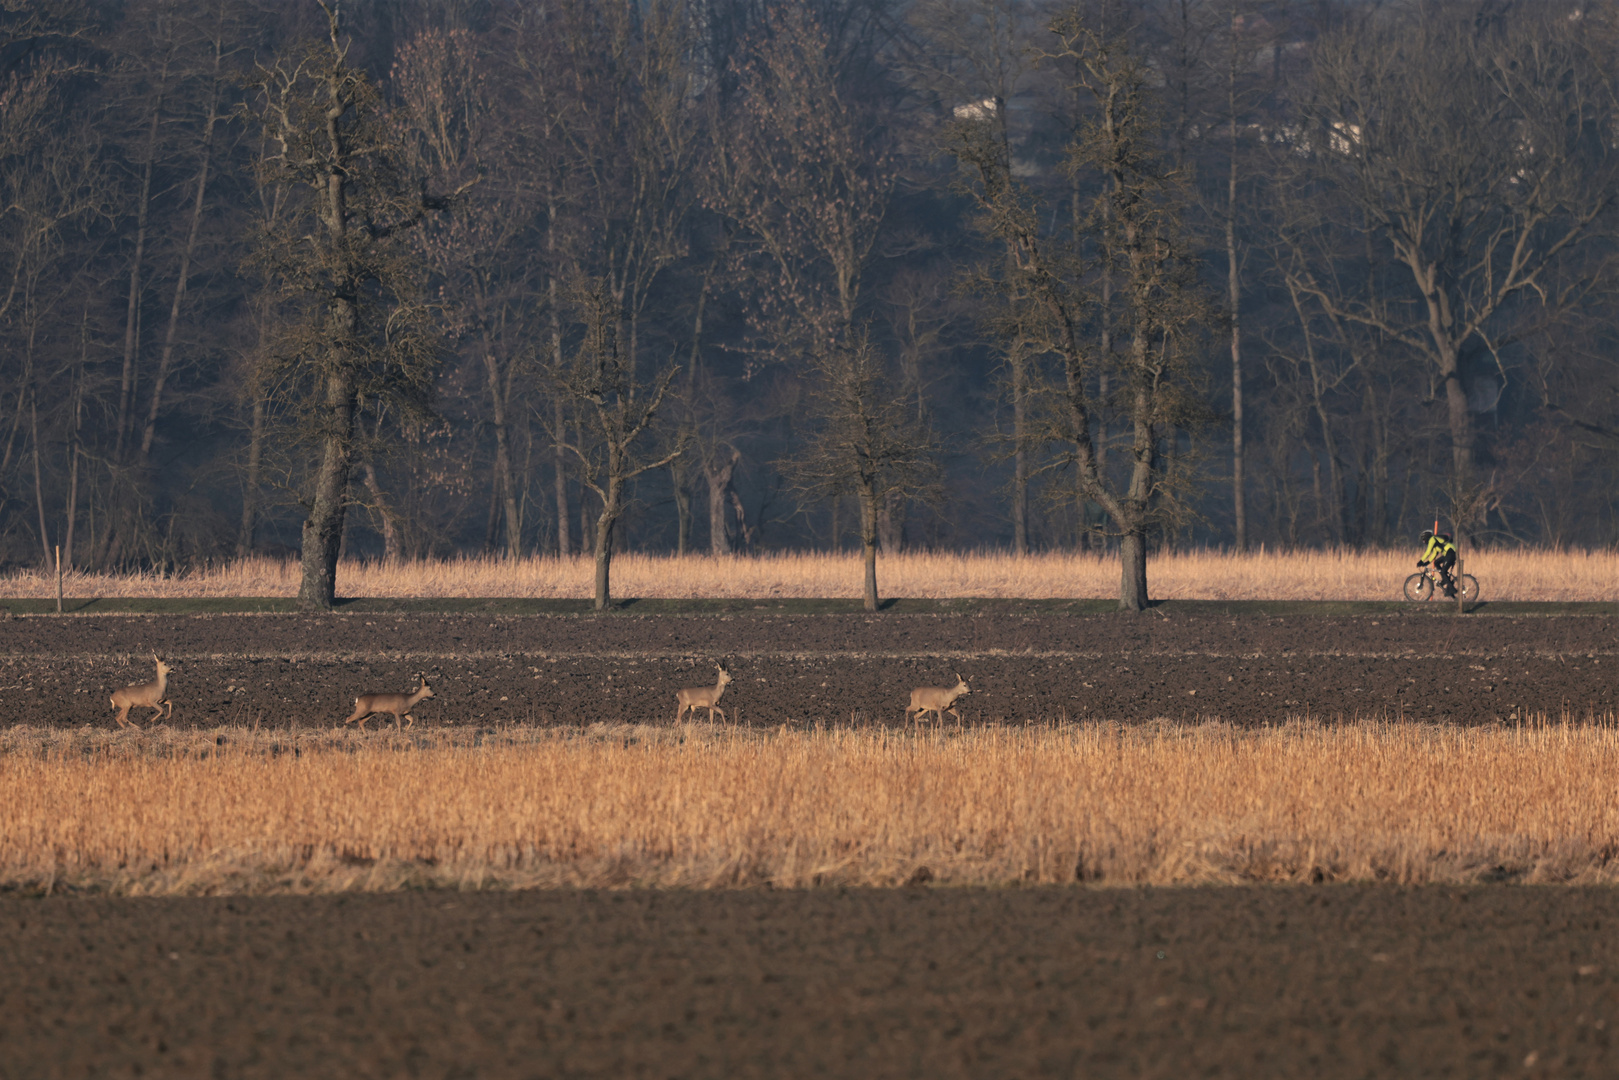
point(397, 704)
point(703, 697)
point(147, 695)
point(937, 700)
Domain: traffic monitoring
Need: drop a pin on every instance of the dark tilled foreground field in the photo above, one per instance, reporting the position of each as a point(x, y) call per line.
point(1257, 982)
point(836, 668)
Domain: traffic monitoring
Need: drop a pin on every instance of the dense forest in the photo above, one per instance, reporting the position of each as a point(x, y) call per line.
point(520, 276)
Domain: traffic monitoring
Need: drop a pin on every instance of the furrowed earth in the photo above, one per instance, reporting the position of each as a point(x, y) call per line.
point(1332, 981)
point(1336, 981)
point(305, 670)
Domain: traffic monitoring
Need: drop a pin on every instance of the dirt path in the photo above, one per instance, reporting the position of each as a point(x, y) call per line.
point(305, 670)
point(1319, 982)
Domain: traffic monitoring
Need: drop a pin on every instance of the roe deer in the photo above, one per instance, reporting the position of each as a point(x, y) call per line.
point(398, 704)
point(937, 700)
point(703, 697)
point(147, 695)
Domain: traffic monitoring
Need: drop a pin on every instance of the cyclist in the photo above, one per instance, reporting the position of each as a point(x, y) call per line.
point(1439, 549)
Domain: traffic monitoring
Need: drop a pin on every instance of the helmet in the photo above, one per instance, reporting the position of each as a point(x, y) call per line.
point(1427, 534)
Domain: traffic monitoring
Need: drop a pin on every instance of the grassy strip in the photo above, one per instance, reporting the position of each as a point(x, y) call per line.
point(1305, 575)
point(254, 605)
point(236, 810)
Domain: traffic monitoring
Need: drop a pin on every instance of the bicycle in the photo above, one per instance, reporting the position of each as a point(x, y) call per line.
point(1424, 583)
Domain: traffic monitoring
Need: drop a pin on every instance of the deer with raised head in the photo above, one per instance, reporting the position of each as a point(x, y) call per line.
point(147, 695)
point(703, 697)
point(397, 704)
point(937, 700)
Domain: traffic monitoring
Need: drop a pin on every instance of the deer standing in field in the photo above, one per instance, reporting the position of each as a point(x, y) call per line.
point(398, 704)
point(147, 695)
point(703, 697)
point(937, 700)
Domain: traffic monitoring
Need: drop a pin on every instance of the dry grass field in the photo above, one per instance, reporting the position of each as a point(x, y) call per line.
point(234, 811)
point(1520, 574)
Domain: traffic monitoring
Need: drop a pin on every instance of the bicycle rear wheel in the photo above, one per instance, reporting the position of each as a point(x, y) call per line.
point(1418, 587)
point(1467, 585)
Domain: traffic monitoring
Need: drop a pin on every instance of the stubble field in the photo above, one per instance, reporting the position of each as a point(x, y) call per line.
point(1311, 574)
point(1100, 751)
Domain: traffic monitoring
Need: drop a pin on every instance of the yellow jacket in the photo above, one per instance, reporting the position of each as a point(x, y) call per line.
point(1437, 547)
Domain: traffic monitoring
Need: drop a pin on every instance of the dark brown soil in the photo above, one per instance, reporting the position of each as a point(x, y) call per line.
point(1317, 982)
point(834, 669)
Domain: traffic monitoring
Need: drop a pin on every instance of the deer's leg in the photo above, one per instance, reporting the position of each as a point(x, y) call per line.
point(122, 717)
point(412, 720)
point(712, 709)
point(952, 712)
point(170, 704)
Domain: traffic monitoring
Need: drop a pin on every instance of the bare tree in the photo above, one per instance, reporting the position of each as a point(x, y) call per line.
point(1240, 42)
point(602, 375)
point(977, 60)
point(365, 332)
point(1469, 145)
point(1159, 304)
point(217, 34)
point(864, 441)
point(482, 255)
point(805, 174)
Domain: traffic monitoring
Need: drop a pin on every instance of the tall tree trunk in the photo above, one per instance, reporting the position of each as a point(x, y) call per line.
point(1333, 510)
point(126, 388)
point(392, 548)
point(1020, 458)
point(744, 532)
point(564, 544)
point(39, 485)
point(1133, 569)
point(72, 504)
point(1447, 357)
point(170, 333)
point(1377, 522)
point(719, 486)
point(1460, 420)
point(1239, 504)
point(503, 456)
point(677, 483)
point(559, 458)
point(250, 486)
point(1132, 524)
point(604, 545)
point(323, 528)
point(868, 542)
point(75, 452)
point(891, 522)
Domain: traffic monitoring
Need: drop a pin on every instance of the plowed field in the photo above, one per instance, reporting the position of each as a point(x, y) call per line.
point(1267, 982)
point(305, 670)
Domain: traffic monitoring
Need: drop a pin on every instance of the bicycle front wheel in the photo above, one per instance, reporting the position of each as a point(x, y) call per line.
point(1418, 587)
point(1467, 585)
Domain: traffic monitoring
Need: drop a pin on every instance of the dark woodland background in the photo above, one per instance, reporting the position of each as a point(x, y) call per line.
point(1415, 185)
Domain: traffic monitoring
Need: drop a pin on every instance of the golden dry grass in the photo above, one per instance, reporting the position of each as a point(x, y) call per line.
point(1519, 574)
point(705, 807)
